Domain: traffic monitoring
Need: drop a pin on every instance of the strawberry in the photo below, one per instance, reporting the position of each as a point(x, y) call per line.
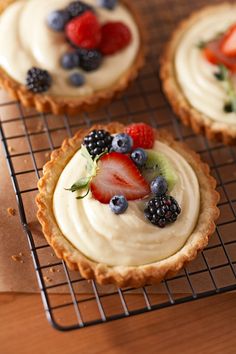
point(118, 175)
point(213, 54)
point(142, 135)
point(228, 45)
point(84, 31)
point(115, 36)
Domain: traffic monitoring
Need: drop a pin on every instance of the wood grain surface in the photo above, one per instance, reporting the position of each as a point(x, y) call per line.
point(203, 326)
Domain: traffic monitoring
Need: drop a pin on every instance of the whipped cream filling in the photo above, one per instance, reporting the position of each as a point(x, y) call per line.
point(196, 75)
point(127, 239)
point(27, 41)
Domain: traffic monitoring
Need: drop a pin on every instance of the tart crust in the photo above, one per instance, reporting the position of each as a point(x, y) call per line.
point(125, 275)
point(69, 105)
point(199, 122)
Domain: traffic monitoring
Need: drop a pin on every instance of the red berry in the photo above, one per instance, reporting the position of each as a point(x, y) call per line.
point(213, 53)
point(118, 175)
point(142, 135)
point(228, 45)
point(84, 31)
point(115, 36)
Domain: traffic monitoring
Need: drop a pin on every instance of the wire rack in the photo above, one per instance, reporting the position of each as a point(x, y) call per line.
point(28, 138)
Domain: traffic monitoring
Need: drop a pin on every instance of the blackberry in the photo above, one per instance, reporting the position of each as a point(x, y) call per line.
point(162, 211)
point(90, 60)
point(38, 80)
point(97, 142)
point(77, 8)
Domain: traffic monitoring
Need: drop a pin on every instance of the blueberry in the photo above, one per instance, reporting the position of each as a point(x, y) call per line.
point(77, 8)
point(122, 143)
point(70, 61)
point(118, 204)
point(139, 156)
point(108, 4)
point(90, 60)
point(57, 20)
point(159, 186)
point(77, 79)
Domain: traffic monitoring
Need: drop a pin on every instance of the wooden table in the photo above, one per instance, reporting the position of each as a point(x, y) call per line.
point(203, 326)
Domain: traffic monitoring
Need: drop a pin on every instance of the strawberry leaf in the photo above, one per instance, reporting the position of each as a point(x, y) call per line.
point(91, 169)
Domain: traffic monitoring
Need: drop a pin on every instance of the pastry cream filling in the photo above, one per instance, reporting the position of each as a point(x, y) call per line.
point(127, 239)
point(195, 75)
point(27, 41)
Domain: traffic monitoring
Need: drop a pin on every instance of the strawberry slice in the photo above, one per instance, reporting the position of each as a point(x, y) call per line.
point(228, 45)
point(213, 54)
point(118, 175)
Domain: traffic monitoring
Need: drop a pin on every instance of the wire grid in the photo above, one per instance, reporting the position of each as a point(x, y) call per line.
point(28, 137)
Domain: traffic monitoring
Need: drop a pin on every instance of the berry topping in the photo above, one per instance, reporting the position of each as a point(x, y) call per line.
point(77, 8)
point(118, 204)
point(228, 44)
point(84, 31)
point(97, 142)
point(115, 36)
point(38, 80)
point(89, 59)
point(162, 211)
point(118, 175)
point(139, 156)
point(76, 79)
point(142, 135)
point(122, 143)
point(214, 55)
point(58, 19)
point(70, 61)
point(108, 4)
point(159, 186)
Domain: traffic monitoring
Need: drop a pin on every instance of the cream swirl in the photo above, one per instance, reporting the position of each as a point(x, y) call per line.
point(26, 41)
point(195, 75)
point(127, 239)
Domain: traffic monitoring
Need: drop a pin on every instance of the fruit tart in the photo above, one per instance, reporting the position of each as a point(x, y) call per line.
point(198, 70)
point(126, 205)
point(72, 56)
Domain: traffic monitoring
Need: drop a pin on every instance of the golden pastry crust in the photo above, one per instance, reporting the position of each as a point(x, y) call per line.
point(125, 275)
point(199, 122)
point(70, 105)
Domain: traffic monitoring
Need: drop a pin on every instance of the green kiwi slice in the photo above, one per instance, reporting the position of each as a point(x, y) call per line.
point(158, 164)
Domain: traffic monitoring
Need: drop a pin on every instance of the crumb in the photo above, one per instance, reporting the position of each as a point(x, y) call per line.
point(11, 149)
point(16, 258)
point(47, 279)
point(58, 270)
point(25, 161)
point(11, 211)
point(52, 270)
point(21, 254)
point(40, 127)
point(47, 154)
point(52, 254)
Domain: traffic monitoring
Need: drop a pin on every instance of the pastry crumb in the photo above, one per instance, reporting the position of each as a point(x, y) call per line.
point(11, 211)
point(47, 154)
point(17, 258)
point(47, 279)
point(58, 270)
point(25, 161)
point(11, 149)
point(52, 254)
point(40, 127)
point(52, 270)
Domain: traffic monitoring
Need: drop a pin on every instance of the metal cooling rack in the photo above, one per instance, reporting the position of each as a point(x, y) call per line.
point(28, 137)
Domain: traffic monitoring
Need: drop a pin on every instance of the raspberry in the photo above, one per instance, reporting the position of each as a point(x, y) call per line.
point(84, 31)
point(115, 36)
point(142, 135)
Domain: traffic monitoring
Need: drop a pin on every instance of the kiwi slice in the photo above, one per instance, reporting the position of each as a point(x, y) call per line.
point(158, 164)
